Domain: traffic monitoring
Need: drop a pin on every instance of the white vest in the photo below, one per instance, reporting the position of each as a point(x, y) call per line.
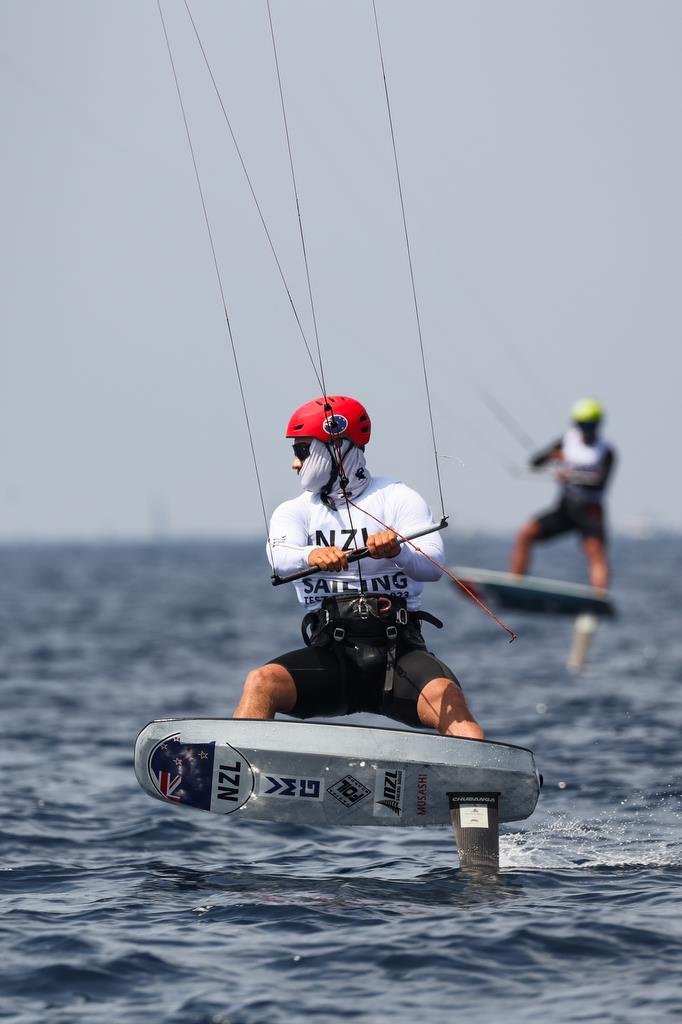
point(584, 464)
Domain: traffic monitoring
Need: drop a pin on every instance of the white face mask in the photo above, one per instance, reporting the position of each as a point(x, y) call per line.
point(316, 469)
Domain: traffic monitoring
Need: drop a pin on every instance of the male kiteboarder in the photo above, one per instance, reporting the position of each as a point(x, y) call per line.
point(584, 463)
point(364, 649)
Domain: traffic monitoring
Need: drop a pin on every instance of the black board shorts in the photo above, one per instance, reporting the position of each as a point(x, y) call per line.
point(329, 681)
point(586, 518)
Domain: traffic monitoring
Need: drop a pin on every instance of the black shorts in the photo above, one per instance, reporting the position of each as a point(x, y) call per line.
point(344, 678)
point(586, 518)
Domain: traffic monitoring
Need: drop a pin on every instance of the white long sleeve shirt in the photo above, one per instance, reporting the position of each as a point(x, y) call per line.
point(299, 526)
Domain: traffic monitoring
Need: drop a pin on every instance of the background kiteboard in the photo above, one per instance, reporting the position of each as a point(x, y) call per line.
point(534, 594)
point(328, 774)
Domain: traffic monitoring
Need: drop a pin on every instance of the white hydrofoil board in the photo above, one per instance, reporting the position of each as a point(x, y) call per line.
point(323, 774)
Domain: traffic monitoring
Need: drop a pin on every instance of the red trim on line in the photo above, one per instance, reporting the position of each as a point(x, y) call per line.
point(447, 572)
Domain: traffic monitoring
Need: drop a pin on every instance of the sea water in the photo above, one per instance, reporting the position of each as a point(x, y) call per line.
point(118, 908)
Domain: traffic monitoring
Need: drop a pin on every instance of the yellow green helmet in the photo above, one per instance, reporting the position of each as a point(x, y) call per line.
point(587, 410)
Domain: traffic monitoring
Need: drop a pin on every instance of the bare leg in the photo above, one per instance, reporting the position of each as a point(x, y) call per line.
point(441, 706)
point(520, 556)
point(267, 690)
point(598, 566)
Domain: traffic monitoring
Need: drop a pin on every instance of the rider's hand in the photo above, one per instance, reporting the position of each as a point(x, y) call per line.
point(329, 559)
point(383, 545)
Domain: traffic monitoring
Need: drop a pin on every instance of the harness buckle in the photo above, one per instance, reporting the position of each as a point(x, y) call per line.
point(339, 634)
point(401, 616)
point(392, 632)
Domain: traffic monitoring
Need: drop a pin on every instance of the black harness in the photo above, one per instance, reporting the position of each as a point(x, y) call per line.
point(364, 627)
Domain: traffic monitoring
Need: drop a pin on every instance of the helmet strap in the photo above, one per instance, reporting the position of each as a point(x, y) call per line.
point(335, 475)
point(325, 492)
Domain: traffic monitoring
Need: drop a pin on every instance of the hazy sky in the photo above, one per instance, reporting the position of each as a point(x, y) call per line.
point(541, 156)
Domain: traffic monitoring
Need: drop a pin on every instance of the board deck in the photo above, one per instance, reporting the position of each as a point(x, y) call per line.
point(534, 593)
point(323, 774)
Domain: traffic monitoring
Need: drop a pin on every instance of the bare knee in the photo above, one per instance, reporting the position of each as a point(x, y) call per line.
point(529, 533)
point(258, 680)
point(441, 705)
point(266, 691)
point(274, 681)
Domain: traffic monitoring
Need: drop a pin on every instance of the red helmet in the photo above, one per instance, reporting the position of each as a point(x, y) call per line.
point(342, 417)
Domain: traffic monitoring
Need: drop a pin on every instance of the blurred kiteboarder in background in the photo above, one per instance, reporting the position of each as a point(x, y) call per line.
point(584, 463)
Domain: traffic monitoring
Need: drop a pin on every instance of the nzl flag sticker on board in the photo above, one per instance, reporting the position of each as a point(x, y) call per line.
point(183, 772)
point(388, 793)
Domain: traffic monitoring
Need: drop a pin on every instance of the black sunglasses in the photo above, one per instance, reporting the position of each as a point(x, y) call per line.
point(301, 450)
